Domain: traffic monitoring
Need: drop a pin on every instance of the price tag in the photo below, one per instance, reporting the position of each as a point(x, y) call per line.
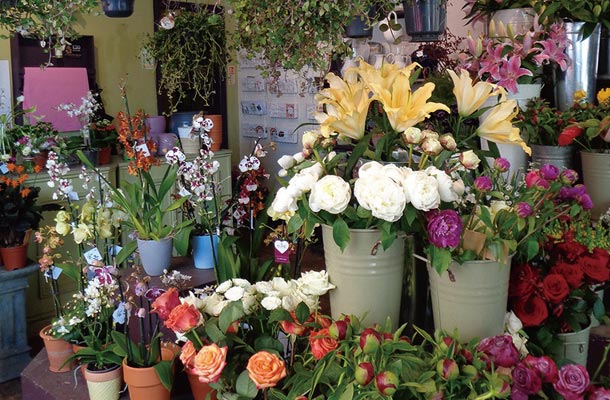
point(281, 251)
point(73, 196)
point(93, 255)
point(3, 168)
point(119, 314)
point(143, 148)
point(114, 251)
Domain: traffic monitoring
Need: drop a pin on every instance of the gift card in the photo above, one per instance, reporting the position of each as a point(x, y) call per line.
point(143, 148)
point(281, 251)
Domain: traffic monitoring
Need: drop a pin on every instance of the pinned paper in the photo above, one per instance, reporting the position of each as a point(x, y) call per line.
point(53, 272)
point(143, 148)
point(114, 251)
point(92, 255)
point(3, 168)
point(281, 251)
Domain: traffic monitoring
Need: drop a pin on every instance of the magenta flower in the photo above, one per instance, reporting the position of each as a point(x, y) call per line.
point(546, 367)
point(549, 172)
point(483, 184)
point(501, 164)
point(501, 350)
point(585, 201)
point(510, 72)
point(600, 393)
point(523, 209)
point(573, 381)
point(445, 229)
point(533, 178)
point(492, 61)
point(569, 176)
point(526, 380)
point(552, 52)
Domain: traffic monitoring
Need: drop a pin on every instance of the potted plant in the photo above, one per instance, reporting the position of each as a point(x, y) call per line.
point(19, 214)
point(84, 112)
point(189, 48)
point(31, 144)
point(291, 36)
point(50, 22)
point(103, 137)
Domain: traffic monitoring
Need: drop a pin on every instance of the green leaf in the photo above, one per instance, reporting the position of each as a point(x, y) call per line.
point(231, 313)
point(126, 251)
point(165, 373)
point(295, 223)
point(341, 233)
point(268, 343)
point(245, 387)
point(302, 312)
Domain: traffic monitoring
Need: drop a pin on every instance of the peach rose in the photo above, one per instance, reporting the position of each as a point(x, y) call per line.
point(165, 303)
point(183, 318)
point(266, 369)
point(187, 354)
point(321, 343)
point(210, 362)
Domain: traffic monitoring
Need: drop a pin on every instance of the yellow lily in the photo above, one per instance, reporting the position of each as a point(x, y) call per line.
point(405, 108)
point(382, 78)
point(471, 97)
point(347, 105)
point(496, 125)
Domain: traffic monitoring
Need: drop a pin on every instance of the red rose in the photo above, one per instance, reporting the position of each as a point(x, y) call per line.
point(183, 318)
point(293, 327)
point(555, 288)
point(321, 343)
point(531, 311)
point(165, 303)
point(567, 136)
point(522, 281)
point(595, 266)
point(570, 249)
point(571, 273)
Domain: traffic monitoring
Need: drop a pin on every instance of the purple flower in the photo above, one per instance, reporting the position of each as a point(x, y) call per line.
point(585, 201)
point(569, 176)
point(152, 293)
point(573, 381)
point(483, 184)
point(445, 229)
point(526, 379)
point(549, 172)
point(546, 367)
point(600, 394)
point(524, 210)
point(501, 164)
point(500, 350)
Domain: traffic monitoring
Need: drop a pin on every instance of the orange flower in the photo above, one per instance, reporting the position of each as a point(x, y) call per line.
point(266, 369)
point(210, 362)
point(183, 318)
point(321, 343)
point(164, 304)
point(187, 354)
point(25, 192)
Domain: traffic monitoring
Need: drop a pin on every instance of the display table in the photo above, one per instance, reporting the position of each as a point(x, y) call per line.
point(14, 349)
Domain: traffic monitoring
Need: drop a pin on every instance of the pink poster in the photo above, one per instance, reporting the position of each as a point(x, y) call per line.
point(48, 88)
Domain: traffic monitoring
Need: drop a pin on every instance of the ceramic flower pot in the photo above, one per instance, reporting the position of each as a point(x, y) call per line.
point(368, 278)
point(205, 251)
point(474, 301)
point(155, 255)
point(144, 383)
point(105, 384)
point(58, 350)
point(575, 346)
point(14, 257)
point(519, 20)
point(596, 175)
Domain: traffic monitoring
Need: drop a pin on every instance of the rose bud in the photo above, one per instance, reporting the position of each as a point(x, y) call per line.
point(467, 355)
point(501, 387)
point(533, 178)
point(338, 330)
point(585, 201)
point(447, 342)
point(447, 369)
point(388, 337)
point(293, 328)
point(405, 339)
point(483, 184)
point(448, 142)
point(501, 164)
point(386, 383)
point(569, 176)
point(431, 146)
point(523, 209)
point(364, 373)
point(469, 159)
point(549, 172)
point(413, 135)
point(500, 349)
point(370, 340)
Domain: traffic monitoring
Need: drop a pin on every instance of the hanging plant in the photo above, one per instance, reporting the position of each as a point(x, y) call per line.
point(189, 48)
point(298, 34)
point(50, 21)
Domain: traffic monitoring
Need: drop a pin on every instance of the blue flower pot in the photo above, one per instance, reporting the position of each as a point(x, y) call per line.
point(203, 256)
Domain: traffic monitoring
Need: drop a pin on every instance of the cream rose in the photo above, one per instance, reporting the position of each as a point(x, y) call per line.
point(210, 362)
point(445, 184)
point(380, 194)
point(422, 191)
point(314, 283)
point(331, 193)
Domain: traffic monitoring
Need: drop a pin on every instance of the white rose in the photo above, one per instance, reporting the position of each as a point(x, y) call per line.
point(422, 191)
point(301, 183)
point(264, 287)
point(512, 323)
point(397, 174)
point(380, 194)
point(281, 286)
point(458, 187)
point(369, 168)
point(289, 303)
point(298, 157)
point(249, 303)
point(244, 283)
point(284, 202)
point(271, 303)
point(223, 287)
point(316, 170)
point(214, 304)
point(26, 151)
point(331, 193)
point(315, 283)
point(235, 293)
point(445, 184)
point(286, 162)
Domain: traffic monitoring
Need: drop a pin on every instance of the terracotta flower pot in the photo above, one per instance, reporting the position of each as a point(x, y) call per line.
point(58, 350)
point(104, 385)
point(14, 257)
point(216, 132)
point(199, 389)
point(144, 383)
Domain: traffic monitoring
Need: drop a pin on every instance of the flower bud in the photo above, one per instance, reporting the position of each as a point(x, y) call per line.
point(447, 369)
point(483, 184)
point(431, 146)
point(533, 179)
point(448, 142)
point(309, 139)
point(386, 383)
point(569, 176)
point(338, 330)
point(286, 162)
point(549, 172)
point(471, 372)
point(413, 135)
point(501, 164)
point(469, 159)
point(447, 343)
point(364, 373)
point(523, 209)
point(370, 341)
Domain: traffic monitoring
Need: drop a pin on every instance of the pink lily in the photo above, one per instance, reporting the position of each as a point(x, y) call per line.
point(510, 72)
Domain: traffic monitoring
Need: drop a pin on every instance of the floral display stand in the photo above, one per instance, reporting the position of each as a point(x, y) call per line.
point(14, 349)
